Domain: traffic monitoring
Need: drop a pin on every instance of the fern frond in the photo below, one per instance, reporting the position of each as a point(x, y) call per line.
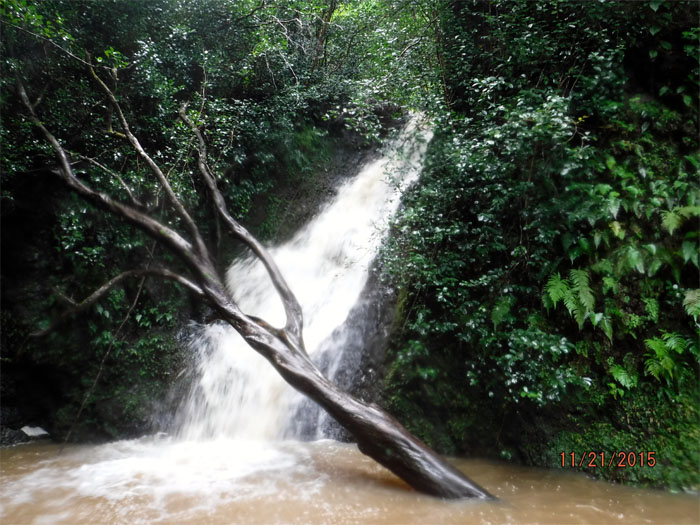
point(675, 342)
point(691, 303)
point(653, 367)
point(658, 346)
point(669, 364)
point(573, 304)
point(688, 211)
point(557, 288)
point(581, 284)
point(670, 220)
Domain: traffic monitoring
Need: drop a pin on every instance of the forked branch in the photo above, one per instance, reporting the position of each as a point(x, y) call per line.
point(292, 308)
point(177, 205)
point(116, 175)
point(151, 226)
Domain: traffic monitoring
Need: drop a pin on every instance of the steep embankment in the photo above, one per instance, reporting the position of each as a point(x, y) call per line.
point(548, 262)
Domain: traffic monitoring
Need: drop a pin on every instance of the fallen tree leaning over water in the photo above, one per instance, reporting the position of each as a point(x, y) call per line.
point(378, 434)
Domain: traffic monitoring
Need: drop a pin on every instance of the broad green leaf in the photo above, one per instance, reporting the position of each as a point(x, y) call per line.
point(596, 318)
point(623, 377)
point(654, 266)
point(617, 229)
point(635, 260)
point(610, 162)
point(603, 189)
point(501, 310)
point(689, 250)
point(693, 160)
point(597, 236)
point(574, 253)
point(609, 284)
point(585, 244)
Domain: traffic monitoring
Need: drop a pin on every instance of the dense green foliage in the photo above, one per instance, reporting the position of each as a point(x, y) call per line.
point(547, 263)
point(549, 260)
point(274, 88)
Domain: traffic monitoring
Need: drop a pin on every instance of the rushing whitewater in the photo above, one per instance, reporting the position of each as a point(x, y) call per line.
point(237, 394)
point(226, 461)
point(222, 468)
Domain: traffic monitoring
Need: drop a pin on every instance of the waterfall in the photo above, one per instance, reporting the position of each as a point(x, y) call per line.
point(236, 393)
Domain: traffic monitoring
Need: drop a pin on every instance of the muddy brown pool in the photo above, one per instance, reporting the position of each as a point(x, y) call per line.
point(235, 481)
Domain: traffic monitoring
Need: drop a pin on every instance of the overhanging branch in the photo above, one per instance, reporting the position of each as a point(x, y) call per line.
point(152, 227)
point(116, 175)
point(177, 205)
point(106, 287)
point(292, 308)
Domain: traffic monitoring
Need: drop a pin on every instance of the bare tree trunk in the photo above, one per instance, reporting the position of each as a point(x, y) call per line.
point(378, 434)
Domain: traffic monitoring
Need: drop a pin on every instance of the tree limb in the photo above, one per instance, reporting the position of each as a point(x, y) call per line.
point(63, 49)
point(63, 297)
point(106, 287)
point(177, 205)
point(152, 227)
point(292, 308)
point(90, 390)
point(116, 175)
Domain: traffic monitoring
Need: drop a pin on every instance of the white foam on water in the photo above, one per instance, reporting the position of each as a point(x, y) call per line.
point(153, 474)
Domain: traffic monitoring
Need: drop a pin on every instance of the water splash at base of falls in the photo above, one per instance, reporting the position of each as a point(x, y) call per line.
point(226, 471)
point(236, 393)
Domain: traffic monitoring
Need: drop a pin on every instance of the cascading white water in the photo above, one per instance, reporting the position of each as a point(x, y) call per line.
point(222, 472)
point(225, 456)
point(237, 393)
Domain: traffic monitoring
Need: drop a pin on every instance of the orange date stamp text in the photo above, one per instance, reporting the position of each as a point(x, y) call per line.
point(620, 459)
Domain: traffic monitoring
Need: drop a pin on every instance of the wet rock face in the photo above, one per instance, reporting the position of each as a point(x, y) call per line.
point(361, 343)
point(367, 332)
point(10, 437)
